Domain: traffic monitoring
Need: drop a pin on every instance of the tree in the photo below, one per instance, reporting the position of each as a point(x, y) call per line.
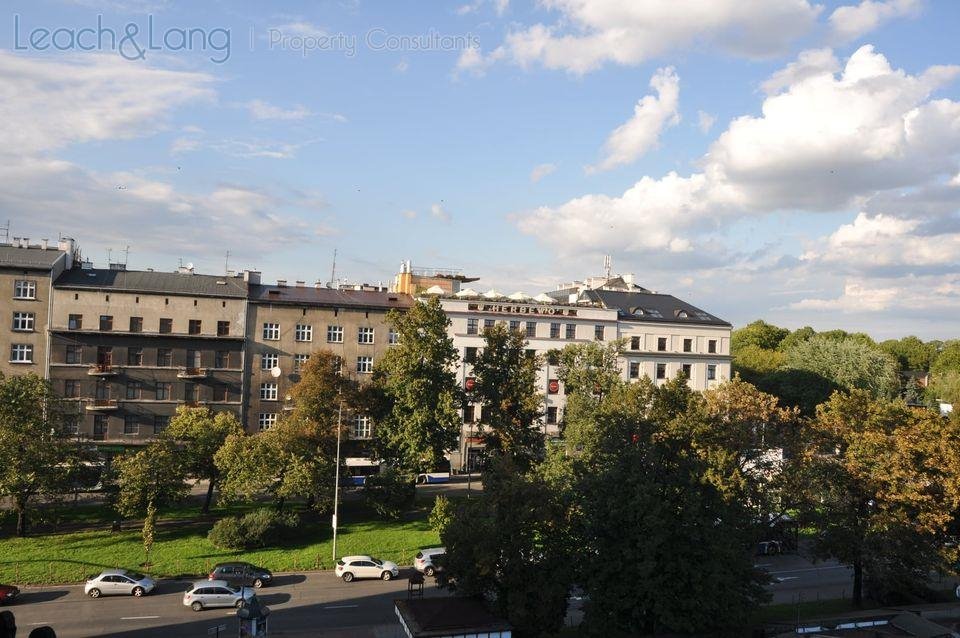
point(505, 386)
point(589, 372)
point(760, 334)
point(948, 359)
point(945, 386)
point(149, 527)
point(201, 432)
point(911, 353)
point(35, 451)
point(797, 336)
point(795, 388)
point(849, 363)
point(416, 395)
point(752, 362)
point(883, 482)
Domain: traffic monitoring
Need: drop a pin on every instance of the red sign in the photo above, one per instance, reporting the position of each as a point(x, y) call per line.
point(469, 384)
point(553, 386)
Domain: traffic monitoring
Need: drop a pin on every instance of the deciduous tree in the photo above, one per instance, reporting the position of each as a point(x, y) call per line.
point(849, 363)
point(150, 480)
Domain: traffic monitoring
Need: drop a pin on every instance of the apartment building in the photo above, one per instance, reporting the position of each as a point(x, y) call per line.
point(128, 347)
point(27, 272)
point(286, 324)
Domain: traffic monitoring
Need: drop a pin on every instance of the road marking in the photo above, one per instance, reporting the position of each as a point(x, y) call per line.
point(780, 579)
point(810, 569)
point(138, 617)
point(341, 606)
point(764, 565)
point(37, 623)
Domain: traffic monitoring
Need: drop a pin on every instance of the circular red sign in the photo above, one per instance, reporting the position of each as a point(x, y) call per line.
point(553, 386)
point(469, 383)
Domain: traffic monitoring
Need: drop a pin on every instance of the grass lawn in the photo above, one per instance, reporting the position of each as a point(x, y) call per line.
point(183, 549)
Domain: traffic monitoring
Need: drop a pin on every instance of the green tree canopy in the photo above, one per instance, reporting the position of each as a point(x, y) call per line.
point(795, 337)
point(154, 476)
point(415, 398)
point(948, 358)
point(849, 363)
point(760, 334)
point(752, 362)
point(911, 353)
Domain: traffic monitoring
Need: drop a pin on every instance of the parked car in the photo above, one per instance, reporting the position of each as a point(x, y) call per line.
point(115, 582)
point(241, 575)
point(429, 561)
point(216, 593)
point(8, 594)
point(350, 567)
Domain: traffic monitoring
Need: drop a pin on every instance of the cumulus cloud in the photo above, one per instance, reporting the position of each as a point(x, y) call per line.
point(261, 110)
point(705, 121)
point(641, 132)
point(850, 22)
point(591, 33)
point(540, 171)
point(440, 213)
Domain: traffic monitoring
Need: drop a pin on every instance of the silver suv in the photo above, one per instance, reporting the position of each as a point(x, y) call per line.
point(215, 593)
point(429, 561)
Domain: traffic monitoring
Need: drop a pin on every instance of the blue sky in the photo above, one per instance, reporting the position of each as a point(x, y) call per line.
point(784, 159)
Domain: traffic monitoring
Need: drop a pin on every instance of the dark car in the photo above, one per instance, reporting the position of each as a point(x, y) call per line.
point(245, 574)
point(8, 594)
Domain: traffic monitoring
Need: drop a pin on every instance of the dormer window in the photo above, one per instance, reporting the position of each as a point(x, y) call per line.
point(681, 314)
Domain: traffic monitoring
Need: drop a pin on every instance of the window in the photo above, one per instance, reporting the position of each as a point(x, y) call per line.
point(222, 359)
point(100, 426)
point(104, 355)
point(21, 353)
point(365, 365)
point(571, 331)
point(393, 337)
point(711, 372)
point(194, 327)
point(134, 356)
point(268, 361)
point(103, 390)
point(688, 345)
point(361, 427)
point(221, 393)
point(469, 355)
point(75, 322)
point(164, 357)
point(661, 371)
point(598, 333)
point(514, 325)
point(23, 321)
point(553, 357)
point(136, 324)
point(106, 322)
point(531, 328)
point(268, 391)
point(338, 364)
point(166, 325)
point(303, 332)
point(364, 335)
point(468, 414)
point(334, 334)
point(71, 424)
point(133, 389)
point(160, 423)
point(488, 323)
point(191, 392)
point(661, 344)
point(554, 330)
point(634, 369)
point(223, 328)
point(472, 326)
point(712, 346)
point(71, 389)
point(193, 359)
point(298, 361)
point(24, 289)
point(74, 354)
point(267, 420)
point(552, 415)
point(164, 390)
point(529, 353)
point(130, 424)
point(271, 331)
point(687, 369)
point(634, 343)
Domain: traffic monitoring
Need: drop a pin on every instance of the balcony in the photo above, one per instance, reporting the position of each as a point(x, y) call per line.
point(102, 404)
point(192, 373)
point(102, 370)
point(195, 404)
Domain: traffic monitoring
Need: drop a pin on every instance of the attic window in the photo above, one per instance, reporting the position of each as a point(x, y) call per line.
point(638, 312)
point(221, 282)
point(274, 292)
point(681, 314)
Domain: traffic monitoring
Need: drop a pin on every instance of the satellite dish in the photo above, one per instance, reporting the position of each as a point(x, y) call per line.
point(275, 372)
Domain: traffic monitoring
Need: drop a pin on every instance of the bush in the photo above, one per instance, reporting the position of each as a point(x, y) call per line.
point(256, 529)
point(441, 514)
point(390, 493)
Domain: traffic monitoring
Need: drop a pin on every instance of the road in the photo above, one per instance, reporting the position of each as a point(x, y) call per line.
point(314, 604)
point(796, 579)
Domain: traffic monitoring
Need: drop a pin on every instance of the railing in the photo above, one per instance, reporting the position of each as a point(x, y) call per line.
point(191, 373)
point(102, 404)
point(102, 369)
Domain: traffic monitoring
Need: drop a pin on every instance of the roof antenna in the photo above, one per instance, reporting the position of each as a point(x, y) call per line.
point(226, 264)
point(109, 256)
point(126, 255)
point(333, 270)
point(607, 264)
point(6, 232)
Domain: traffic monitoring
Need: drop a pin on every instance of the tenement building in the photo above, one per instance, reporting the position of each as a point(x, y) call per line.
point(286, 324)
point(128, 347)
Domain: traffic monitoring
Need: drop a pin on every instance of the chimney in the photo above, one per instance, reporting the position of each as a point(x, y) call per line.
point(282, 283)
point(44, 243)
point(252, 277)
point(16, 242)
point(26, 242)
point(318, 284)
point(301, 284)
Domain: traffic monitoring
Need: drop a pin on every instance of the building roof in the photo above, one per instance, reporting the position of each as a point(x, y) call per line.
point(311, 295)
point(153, 282)
point(448, 616)
point(654, 307)
point(34, 257)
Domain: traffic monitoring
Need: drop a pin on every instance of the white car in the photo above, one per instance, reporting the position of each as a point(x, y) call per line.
point(425, 560)
point(350, 567)
point(115, 582)
point(216, 593)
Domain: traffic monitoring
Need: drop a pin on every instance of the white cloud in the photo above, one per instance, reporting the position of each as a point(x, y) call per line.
point(591, 33)
point(261, 110)
point(499, 7)
point(641, 132)
point(705, 121)
point(402, 66)
point(409, 214)
point(440, 213)
point(849, 22)
point(474, 61)
point(540, 171)
point(300, 28)
point(812, 62)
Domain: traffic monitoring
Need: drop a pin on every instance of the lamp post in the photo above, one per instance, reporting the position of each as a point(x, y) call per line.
point(336, 486)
